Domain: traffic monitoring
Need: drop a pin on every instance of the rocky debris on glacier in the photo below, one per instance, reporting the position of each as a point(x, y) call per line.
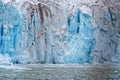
point(55, 31)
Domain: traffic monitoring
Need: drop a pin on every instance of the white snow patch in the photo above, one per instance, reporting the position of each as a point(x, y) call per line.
point(86, 10)
point(6, 1)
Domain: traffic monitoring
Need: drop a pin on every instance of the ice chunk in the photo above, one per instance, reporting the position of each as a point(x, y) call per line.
point(5, 59)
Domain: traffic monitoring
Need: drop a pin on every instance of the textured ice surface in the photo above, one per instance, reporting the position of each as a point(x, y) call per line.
point(55, 31)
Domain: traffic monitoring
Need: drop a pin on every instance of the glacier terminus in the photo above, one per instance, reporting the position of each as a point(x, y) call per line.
point(59, 31)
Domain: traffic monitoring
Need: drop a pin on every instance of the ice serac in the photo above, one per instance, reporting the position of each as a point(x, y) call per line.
point(9, 29)
point(106, 32)
point(81, 41)
point(41, 33)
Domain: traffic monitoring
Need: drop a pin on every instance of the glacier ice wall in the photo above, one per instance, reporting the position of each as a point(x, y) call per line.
point(60, 32)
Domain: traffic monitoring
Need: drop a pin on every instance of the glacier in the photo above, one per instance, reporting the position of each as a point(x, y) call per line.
point(59, 32)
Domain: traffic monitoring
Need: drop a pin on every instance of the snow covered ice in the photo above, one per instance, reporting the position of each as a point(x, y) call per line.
point(60, 31)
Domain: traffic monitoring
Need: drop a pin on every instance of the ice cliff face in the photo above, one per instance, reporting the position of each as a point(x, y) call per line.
point(60, 31)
